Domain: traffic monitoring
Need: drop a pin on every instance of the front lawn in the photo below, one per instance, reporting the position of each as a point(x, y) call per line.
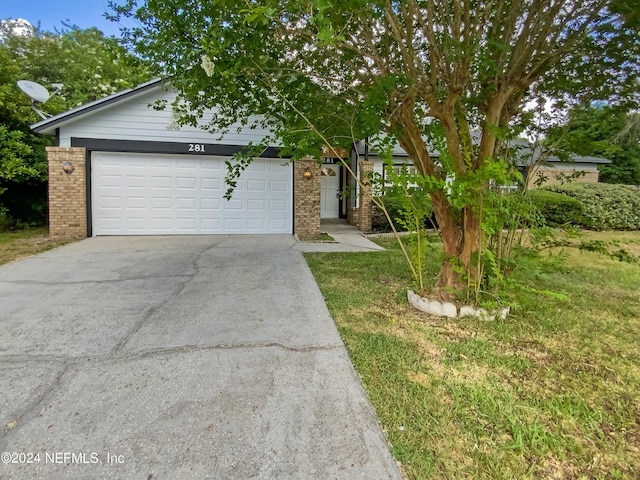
point(552, 392)
point(15, 245)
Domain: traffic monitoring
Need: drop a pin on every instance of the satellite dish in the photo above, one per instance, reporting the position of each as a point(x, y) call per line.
point(37, 93)
point(34, 90)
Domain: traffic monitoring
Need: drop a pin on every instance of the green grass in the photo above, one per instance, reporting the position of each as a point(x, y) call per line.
point(552, 392)
point(15, 245)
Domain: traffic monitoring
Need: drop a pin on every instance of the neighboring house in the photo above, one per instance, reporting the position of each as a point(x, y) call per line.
point(555, 171)
point(120, 167)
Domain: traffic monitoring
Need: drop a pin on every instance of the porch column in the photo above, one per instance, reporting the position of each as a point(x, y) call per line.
point(365, 212)
point(306, 194)
point(67, 193)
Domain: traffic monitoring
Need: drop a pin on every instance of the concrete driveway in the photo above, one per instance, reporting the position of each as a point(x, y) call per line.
point(175, 358)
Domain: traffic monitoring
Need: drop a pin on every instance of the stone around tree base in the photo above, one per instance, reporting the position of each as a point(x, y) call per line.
point(449, 310)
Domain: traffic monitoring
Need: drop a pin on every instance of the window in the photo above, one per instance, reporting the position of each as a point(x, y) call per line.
point(327, 172)
point(398, 168)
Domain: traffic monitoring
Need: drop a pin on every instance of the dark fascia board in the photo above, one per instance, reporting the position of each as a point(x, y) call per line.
point(580, 159)
point(50, 125)
point(141, 146)
point(529, 159)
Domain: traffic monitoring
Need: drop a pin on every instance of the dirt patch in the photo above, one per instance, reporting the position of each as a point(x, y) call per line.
point(526, 349)
point(320, 238)
point(21, 247)
point(557, 470)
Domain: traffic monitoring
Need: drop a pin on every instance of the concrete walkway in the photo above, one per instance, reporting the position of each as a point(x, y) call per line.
point(347, 239)
point(189, 357)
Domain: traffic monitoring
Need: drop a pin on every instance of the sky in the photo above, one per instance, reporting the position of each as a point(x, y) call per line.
point(84, 13)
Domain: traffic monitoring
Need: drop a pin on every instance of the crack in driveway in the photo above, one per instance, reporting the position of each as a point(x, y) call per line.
point(153, 309)
point(93, 282)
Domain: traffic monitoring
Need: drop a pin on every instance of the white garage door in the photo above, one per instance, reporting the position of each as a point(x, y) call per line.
point(149, 194)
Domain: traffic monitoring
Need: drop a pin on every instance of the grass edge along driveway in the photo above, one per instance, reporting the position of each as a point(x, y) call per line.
point(552, 392)
point(19, 244)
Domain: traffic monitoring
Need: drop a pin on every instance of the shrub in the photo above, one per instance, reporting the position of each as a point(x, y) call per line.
point(605, 206)
point(394, 205)
point(557, 209)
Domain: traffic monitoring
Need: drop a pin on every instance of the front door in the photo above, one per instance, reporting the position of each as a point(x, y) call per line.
point(330, 191)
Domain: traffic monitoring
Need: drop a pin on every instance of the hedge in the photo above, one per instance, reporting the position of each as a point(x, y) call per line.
point(597, 206)
point(605, 206)
point(557, 209)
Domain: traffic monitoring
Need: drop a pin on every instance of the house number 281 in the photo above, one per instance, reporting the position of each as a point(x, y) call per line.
point(196, 147)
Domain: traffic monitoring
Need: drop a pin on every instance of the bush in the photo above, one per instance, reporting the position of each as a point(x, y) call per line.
point(26, 202)
point(605, 206)
point(394, 205)
point(557, 209)
point(379, 220)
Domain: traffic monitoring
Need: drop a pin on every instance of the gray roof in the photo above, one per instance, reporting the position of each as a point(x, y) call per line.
point(50, 125)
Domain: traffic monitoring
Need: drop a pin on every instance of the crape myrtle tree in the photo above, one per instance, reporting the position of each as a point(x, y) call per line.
point(449, 73)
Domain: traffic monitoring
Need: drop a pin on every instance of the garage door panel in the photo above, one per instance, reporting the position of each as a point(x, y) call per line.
point(212, 184)
point(160, 162)
point(277, 205)
point(256, 186)
point(256, 205)
point(276, 224)
point(210, 225)
point(210, 204)
point(234, 204)
point(187, 163)
point(278, 186)
point(256, 224)
point(136, 223)
point(261, 167)
point(214, 166)
point(161, 203)
point(137, 194)
point(161, 183)
point(186, 183)
point(234, 225)
point(186, 204)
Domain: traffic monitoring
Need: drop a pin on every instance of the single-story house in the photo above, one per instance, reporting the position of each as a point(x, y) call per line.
point(120, 167)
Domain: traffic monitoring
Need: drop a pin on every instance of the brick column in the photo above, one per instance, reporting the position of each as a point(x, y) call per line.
point(365, 212)
point(67, 193)
point(306, 194)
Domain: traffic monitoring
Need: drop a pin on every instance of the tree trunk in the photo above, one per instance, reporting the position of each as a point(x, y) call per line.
point(472, 236)
point(451, 240)
point(461, 241)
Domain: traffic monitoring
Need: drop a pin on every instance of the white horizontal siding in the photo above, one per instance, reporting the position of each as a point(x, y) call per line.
point(134, 119)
